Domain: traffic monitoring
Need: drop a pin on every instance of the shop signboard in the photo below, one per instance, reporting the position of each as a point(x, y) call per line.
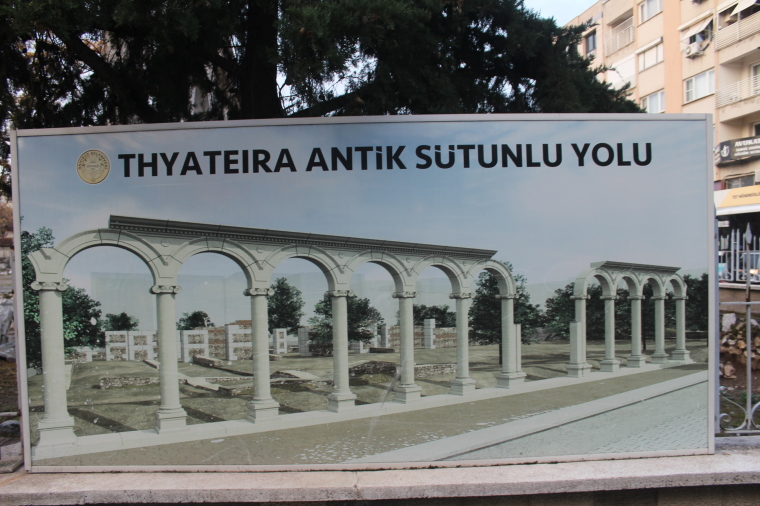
point(383, 292)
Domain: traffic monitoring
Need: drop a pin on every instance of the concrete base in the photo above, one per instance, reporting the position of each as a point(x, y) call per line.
point(681, 356)
point(406, 393)
point(578, 370)
point(171, 419)
point(338, 403)
point(462, 386)
point(262, 410)
point(510, 379)
point(660, 358)
point(638, 361)
point(609, 365)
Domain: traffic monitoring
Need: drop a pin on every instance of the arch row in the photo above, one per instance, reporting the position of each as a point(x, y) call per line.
point(609, 275)
point(165, 246)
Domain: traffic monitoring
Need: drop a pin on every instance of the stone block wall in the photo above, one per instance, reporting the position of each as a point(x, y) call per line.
point(445, 337)
point(217, 343)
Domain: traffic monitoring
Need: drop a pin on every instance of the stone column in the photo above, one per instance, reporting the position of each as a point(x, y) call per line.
point(578, 366)
point(636, 359)
point(262, 406)
point(510, 374)
point(170, 414)
point(384, 338)
point(610, 363)
point(428, 333)
point(56, 426)
point(681, 354)
point(341, 397)
point(406, 391)
point(462, 384)
point(659, 356)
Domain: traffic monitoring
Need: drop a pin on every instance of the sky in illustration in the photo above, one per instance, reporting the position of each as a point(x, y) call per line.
point(549, 222)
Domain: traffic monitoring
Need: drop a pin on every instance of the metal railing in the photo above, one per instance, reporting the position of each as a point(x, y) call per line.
point(732, 258)
point(737, 92)
point(738, 31)
point(621, 36)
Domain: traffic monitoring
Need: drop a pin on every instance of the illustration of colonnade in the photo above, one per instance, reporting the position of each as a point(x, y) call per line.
point(164, 246)
point(609, 274)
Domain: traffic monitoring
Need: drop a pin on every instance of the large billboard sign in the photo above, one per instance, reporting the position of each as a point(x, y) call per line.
point(348, 293)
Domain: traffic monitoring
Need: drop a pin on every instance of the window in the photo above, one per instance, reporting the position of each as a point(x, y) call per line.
point(649, 8)
point(704, 33)
point(591, 43)
point(754, 73)
point(699, 86)
point(756, 129)
point(654, 103)
point(740, 182)
point(651, 57)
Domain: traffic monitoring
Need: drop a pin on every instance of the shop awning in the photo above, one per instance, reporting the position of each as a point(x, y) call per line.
point(737, 200)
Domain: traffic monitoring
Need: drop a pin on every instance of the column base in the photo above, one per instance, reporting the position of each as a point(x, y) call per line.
point(510, 379)
point(57, 432)
point(609, 365)
point(340, 402)
point(578, 370)
point(406, 393)
point(637, 361)
point(462, 386)
point(262, 410)
point(681, 356)
point(170, 419)
point(660, 358)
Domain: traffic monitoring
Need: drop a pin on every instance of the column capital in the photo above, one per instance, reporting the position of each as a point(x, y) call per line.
point(505, 296)
point(340, 293)
point(609, 297)
point(165, 289)
point(49, 285)
point(250, 292)
point(636, 297)
point(580, 297)
point(681, 298)
point(404, 295)
point(659, 298)
point(461, 295)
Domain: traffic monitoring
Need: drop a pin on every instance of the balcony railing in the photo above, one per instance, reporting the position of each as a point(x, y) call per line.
point(738, 91)
point(738, 31)
point(621, 36)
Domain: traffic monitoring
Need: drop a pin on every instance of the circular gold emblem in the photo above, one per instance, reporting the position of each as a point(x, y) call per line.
point(93, 166)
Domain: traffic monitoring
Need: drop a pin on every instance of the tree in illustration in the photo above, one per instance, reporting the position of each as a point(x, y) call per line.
point(121, 321)
point(362, 319)
point(285, 306)
point(194, 320)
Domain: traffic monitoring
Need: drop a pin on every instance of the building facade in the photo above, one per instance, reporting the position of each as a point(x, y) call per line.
point(695, 56)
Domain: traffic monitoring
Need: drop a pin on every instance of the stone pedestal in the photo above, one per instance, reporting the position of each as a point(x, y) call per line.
point(636, 361)
point(578, 370)
point(609, 365)
point(303, 342)
point(462, 386)
point(510, 379)
point(280, 341)
point(429, 334)
point(406, 393)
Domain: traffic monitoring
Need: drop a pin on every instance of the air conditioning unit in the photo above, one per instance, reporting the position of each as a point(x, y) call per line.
point(694, 49)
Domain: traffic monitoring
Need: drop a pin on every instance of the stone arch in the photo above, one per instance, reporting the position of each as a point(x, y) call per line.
point(234, 251)
point(604, 277)
point(388, 261)
point(326, 262)
point(50, 263)
point(453, 270)
point(656, 281)
point(504, 278)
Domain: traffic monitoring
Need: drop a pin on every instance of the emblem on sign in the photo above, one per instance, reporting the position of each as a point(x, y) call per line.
point(93, 166)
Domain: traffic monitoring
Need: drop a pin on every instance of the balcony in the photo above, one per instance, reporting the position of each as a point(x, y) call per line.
point(738, 31)
point(737, 92)
point(621, 36)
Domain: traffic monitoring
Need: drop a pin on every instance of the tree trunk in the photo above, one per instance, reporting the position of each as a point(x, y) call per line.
point(259, 96)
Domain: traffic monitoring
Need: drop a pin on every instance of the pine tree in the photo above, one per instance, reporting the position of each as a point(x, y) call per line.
point(285, 306)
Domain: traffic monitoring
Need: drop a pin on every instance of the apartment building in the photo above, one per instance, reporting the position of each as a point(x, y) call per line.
point(694, 56)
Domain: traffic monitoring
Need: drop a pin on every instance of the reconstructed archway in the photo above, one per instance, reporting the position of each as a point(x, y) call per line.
point(609, 274)
point(165, 245)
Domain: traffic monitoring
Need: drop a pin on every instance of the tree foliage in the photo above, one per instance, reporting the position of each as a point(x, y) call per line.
point(81, 316)
point(443, 316)
point(485, 311)
point(362, 319)
point(121, 321)
point(285, 306)
point(97, 62)
point(194, 320)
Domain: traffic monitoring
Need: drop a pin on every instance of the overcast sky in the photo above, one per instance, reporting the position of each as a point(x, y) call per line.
point(561, 10)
